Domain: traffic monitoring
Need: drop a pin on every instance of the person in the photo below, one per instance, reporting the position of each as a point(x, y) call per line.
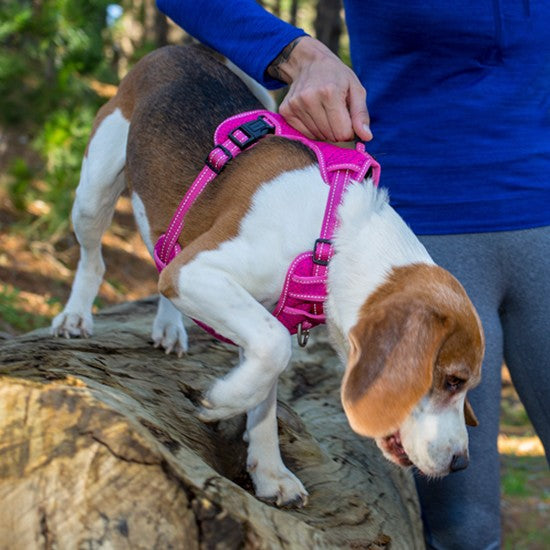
point(459, 103)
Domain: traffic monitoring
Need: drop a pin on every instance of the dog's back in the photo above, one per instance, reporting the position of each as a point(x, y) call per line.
point(192, 93)
point(189, 92)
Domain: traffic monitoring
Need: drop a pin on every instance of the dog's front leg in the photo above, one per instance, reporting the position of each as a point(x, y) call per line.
point(212, 296)
point(273, 481)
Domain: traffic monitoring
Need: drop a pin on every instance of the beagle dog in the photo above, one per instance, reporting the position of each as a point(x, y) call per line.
point(407, 333)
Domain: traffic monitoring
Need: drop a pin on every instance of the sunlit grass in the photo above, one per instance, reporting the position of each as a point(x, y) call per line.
point(24, 311)
point(520, 446)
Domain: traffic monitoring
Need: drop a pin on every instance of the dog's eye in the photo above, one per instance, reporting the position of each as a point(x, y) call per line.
point(453, 383)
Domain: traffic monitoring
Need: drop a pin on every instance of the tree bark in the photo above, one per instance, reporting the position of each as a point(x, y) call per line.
point(293, 18)
point(100, 448)
point(328, 23)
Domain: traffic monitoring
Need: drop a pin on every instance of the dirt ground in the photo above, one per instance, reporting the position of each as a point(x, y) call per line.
point(35, 280)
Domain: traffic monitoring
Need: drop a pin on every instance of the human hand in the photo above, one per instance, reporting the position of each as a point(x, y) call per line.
point(325, 100)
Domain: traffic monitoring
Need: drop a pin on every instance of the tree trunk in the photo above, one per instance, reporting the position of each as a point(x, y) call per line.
point(100, 448)
point(328, 23)
point(293, 18)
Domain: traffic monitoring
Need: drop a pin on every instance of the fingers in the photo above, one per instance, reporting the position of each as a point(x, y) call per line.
point(309, 114)
point(319, 113)
point(325, 100)
point(359, 114)
point(327, 110)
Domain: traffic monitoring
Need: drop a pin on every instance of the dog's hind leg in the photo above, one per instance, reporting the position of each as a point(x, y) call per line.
point(101, 183)
point(168, 330)
point(273, 481)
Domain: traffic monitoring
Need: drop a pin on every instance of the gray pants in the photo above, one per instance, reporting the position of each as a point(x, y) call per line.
point(507, 276)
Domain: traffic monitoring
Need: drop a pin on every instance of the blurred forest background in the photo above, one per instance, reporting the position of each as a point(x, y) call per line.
point(59, 61)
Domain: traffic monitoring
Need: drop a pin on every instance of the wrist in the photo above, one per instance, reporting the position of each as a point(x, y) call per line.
point(294, 57)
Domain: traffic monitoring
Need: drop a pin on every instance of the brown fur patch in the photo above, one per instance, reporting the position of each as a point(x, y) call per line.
point(137, 85)
point(414, 331)
point(171, 132)
point(217, 214)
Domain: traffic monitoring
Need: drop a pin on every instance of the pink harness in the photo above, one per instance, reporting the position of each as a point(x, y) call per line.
point(300, 305)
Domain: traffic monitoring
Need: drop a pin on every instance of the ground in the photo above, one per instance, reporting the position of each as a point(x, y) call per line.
point(35, 278)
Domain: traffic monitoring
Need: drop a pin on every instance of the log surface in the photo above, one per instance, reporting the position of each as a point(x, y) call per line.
point(100, 448)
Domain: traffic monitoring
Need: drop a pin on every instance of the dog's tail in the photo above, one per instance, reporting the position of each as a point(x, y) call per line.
point(256, 88)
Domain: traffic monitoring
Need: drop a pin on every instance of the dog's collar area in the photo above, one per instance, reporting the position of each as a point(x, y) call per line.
point(300, 305)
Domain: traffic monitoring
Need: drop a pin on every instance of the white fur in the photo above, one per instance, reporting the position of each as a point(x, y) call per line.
point(168, 330)
point(101, 182)
point(272, 479)
point(432, 435)
point(371, 240)
point(234, 287)
point(246, 275)
point(142, 222)
point(263, 96)
point(249, 270)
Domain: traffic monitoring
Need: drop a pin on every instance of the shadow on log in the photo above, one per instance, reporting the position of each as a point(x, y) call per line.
point(100, 448)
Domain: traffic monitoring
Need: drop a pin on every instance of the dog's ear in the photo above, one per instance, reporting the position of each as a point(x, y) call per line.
point(469, 414)
point(393, 348)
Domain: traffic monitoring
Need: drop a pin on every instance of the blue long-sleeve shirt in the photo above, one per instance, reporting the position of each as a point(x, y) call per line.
point(458, 93)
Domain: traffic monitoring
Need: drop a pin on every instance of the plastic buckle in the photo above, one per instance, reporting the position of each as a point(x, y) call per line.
point(316, 259)
point(253, 130)
point(226, 152)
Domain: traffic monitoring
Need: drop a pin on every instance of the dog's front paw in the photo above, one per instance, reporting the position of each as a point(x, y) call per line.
point(226, 398)
point(210, 413)
point(278, 486)
point(170, 335)
point(71, 323)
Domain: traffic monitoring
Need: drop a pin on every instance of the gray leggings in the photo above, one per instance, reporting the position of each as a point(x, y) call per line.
point(507, 276)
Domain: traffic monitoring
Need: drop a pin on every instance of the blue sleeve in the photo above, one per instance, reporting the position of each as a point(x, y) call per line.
point(241, 30)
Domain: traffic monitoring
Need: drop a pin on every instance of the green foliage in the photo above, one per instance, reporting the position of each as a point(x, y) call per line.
point(513, 413)
point(525, 476)
point(21, 181)
point(14, 315)
point(514, 483)
point(62, 142)
point(46, 48)
point(49, 50)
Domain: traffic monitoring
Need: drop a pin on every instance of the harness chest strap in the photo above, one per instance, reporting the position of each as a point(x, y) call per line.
point(300, 306)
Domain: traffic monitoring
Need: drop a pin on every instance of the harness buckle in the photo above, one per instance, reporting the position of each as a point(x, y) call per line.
point(253, 131)
point(225, 151)
point(316, 256)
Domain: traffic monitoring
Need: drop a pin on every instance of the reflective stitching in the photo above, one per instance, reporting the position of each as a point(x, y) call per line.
point(331, 174)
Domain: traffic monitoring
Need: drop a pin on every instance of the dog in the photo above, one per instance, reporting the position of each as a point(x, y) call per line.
point(405, 330)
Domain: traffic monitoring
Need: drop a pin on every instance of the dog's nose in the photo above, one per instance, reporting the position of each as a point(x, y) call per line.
point(459, 462)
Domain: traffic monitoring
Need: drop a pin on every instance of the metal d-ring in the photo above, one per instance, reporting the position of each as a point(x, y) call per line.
point(302, 336)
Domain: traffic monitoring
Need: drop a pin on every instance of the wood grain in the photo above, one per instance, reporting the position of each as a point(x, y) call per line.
point(100, 448)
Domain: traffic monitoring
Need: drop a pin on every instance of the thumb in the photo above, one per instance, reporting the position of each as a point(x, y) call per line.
point(360, 118)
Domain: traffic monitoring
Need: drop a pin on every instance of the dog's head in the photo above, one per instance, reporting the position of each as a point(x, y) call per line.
point(415, 351)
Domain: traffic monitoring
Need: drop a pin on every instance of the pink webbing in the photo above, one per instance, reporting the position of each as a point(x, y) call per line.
point(304, 291)
point(167, 247)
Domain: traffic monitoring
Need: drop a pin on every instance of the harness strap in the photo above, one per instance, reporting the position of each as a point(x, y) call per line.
point(300, 306)
point(241, 137)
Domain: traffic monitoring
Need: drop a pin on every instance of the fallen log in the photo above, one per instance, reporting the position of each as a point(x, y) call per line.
point(100, 448)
